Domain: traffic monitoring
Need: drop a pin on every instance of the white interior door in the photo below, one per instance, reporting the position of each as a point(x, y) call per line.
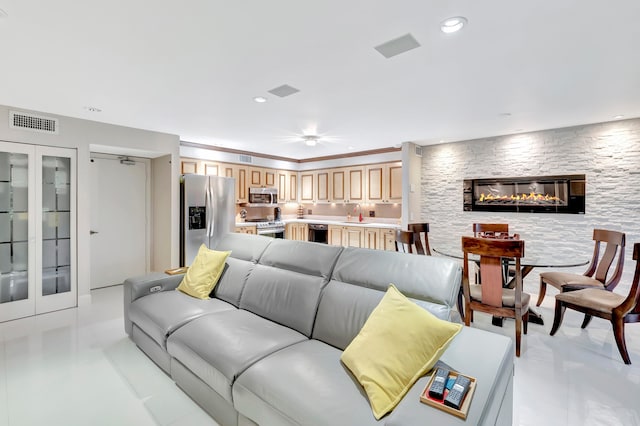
point(119, 219)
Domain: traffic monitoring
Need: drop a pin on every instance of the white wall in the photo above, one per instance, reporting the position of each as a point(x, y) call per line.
point(608, 153)
point(83, 135)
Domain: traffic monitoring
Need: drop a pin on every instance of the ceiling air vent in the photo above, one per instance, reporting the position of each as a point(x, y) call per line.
point(418, 151)
point(36, 123)
point(245, 158)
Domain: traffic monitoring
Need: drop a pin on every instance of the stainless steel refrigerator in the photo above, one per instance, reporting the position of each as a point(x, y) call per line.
point(207, 212)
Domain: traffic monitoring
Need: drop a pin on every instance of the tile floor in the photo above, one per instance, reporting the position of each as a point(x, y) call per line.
point(77, 367)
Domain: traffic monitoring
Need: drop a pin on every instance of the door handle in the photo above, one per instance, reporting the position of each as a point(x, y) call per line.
point(92, 232)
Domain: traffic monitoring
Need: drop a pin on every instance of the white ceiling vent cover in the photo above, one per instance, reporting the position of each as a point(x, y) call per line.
point(418, 151)
point(245, 158)
point(35, 123)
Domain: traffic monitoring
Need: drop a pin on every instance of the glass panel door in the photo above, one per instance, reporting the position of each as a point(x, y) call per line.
point(56, 245)
point(17, 231)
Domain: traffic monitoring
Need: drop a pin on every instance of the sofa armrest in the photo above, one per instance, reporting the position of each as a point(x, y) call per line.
point(144, 285)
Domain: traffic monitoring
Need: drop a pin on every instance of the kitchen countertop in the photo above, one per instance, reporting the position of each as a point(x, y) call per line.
point(365, 223)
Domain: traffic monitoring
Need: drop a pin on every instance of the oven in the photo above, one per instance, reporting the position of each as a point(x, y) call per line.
point(273, 229)
point(318, 233)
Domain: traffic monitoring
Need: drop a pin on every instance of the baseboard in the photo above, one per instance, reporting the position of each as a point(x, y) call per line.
point(84, 300)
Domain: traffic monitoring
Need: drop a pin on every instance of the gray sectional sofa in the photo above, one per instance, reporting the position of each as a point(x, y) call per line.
point(265, 350)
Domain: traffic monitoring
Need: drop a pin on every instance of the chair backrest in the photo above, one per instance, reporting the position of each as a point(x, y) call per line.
point(491, 252)
point(420, 229)
point(614, 247)
point(404, 241)
point(492, 230)
point(631, 305)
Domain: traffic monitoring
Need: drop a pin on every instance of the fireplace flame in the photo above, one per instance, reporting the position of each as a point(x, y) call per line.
point(532, 196)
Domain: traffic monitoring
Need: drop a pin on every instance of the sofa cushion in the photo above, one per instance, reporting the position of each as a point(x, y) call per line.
point(307, 384)
point(220, 346)
point(160, 314)
point(245, 251)
point(204, 272)
point(431, 279)
point(286, 283)
point(398, 344)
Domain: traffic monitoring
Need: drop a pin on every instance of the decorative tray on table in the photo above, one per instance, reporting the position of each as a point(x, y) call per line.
point(439, 403)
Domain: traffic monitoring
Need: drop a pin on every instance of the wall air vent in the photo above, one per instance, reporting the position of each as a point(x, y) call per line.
point(245, 158)
point(418, 151)
point(36, 123)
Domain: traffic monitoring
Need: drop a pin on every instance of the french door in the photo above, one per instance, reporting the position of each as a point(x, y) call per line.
point(37, 230)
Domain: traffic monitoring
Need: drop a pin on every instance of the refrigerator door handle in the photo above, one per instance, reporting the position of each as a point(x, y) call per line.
point(211, 224)
point(207, 204)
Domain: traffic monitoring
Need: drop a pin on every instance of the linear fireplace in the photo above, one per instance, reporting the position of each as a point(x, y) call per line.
point(532, 194)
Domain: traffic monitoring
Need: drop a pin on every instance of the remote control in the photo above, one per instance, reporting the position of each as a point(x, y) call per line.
point(436, 390)
point(457, 393)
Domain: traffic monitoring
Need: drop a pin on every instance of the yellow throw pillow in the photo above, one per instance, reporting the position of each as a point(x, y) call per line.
point(398, 344)
point(204, 273)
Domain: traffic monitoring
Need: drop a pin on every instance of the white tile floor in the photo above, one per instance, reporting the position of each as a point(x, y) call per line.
point(78, 367)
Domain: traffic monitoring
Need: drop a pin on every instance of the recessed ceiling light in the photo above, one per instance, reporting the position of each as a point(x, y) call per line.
point(260, 99)
point(92, 109)
point(310, 140)
point(452, 25)
point(618, 117)
point(351, 147)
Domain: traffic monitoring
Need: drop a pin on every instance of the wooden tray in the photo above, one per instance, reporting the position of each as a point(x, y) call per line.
point(176, 271)
point(464, 409)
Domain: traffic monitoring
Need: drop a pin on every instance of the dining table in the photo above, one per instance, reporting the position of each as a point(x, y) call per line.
point(527, 264)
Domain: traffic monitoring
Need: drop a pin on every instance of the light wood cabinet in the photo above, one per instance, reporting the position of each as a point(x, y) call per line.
point(354, 184)
point(297, 231)
point(188, 166)
point(346, 236)
point(372, 238)
point(248, 229)
point(388, 239)
point(307, 192)
point(321, 179)
point(384, 183)
point(376, 183)
point(287, 184)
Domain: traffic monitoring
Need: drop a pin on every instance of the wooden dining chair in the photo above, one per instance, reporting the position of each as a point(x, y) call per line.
point(602, 303)
point(404, 241)
point(491, 297)
point(490, 230)
point(596, 275)
point(420, 233)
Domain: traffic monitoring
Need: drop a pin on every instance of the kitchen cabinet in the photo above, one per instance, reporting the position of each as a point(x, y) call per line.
point(239, 173)
point(347, 184)
point(372, 238)
point(322, 186)
point(388, 239)
point(297, 231)
point(246, 229)
point(261, 177)
point(188, 166)
point(347, 236)
point(384, 183)
point(211, 169)
point(307, 194)
point(287, 184)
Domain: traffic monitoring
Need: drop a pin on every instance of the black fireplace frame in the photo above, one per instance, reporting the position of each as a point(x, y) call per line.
point(573, 201)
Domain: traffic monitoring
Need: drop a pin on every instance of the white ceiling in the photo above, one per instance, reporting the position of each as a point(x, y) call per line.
point(193, 67)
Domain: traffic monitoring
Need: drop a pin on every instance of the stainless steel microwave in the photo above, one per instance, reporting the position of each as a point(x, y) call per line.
point(263, 196)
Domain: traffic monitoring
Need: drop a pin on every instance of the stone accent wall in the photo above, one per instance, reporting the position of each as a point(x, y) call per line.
point(607, 153)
